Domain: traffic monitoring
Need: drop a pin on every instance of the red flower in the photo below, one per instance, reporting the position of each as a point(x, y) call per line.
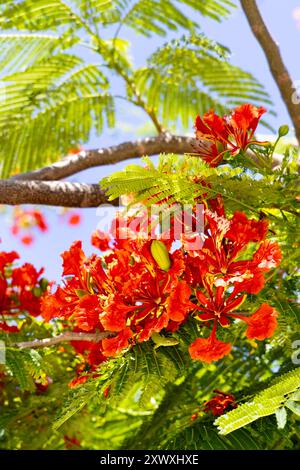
point(113, 346)
point(115, 313)
point(218, 307)
point(78, 381)
point(71, 442)
point(268, 256)
point(211, 128)
point(262, 324)
point(73, 259)
point(219, 403)
point(100, 240)
point(40, 221)
point(7, 259)
point(26, 276)
point(86, 312)
point(8, 329)
point(25, 220)
point(243, 230)
point(179, 304)
point(209, 349)
point(74, 219)
point(228, 133)
point(242, 124)
point(43, 386)
point(27, 240)
point(128, 293)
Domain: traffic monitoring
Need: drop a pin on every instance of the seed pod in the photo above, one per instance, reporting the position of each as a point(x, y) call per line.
point(37, 291)
point(160, 254)
point(283, 130)
point(43, 284)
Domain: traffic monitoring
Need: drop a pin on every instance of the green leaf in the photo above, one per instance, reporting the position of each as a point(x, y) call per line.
point(281, 417)
point(267, 402)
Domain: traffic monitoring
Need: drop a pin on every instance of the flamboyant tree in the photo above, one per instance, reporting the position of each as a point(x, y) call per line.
point(181, 330)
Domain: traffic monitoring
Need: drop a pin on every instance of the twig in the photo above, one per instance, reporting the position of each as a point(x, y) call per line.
point(67, 336)
point(276, 64)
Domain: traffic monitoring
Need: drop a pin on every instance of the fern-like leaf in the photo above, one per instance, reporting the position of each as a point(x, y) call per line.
point(264, 404)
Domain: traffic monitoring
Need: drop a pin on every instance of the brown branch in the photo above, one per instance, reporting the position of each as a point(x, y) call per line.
point(276, 64)
point(52, 193)
point(57, 193)
point(106, 156)
point(67, 336)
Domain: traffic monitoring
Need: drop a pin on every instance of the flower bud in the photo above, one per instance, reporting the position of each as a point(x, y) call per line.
point(283, 130)
point(160, 254)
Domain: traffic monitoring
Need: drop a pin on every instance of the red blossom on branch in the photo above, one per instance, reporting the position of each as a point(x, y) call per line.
point(231, 133)
point(128, 293)
point(21, 290)
point(219, 403)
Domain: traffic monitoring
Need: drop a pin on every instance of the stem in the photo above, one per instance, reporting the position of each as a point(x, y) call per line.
point(138, 99)
point(128, 80)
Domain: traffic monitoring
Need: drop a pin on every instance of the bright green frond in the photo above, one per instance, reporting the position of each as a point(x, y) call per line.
point(265, 403)
point(37, 15)
point(23, 50)
point(70, 118)
point(210, 81)
point(148, 16)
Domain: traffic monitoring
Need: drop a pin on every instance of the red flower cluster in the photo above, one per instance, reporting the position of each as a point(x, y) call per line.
point(219, 403)
point(21, 289)
point(222, 279)
point(127, 292)
point(24, 221)
point(231, 133)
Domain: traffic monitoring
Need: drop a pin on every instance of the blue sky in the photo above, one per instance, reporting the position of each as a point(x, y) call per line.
point(235, 34)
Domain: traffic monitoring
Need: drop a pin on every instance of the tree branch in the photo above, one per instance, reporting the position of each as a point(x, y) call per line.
point(52, 193)
point(106, 156)
point(276, 64)
point(67, 336)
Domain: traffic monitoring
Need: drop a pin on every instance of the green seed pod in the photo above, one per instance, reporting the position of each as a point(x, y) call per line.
point(283, 130)
point(43, 284)
point(160, 254)
point(37, 291)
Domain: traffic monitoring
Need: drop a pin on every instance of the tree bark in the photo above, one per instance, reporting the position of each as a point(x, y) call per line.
point(67, 336)
point(276, 64)
point(52, 193)
point(71, 165)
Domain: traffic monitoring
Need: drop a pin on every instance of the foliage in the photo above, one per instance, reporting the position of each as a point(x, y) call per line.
point(284, 393)
point(59, 59)
point(124, 390)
